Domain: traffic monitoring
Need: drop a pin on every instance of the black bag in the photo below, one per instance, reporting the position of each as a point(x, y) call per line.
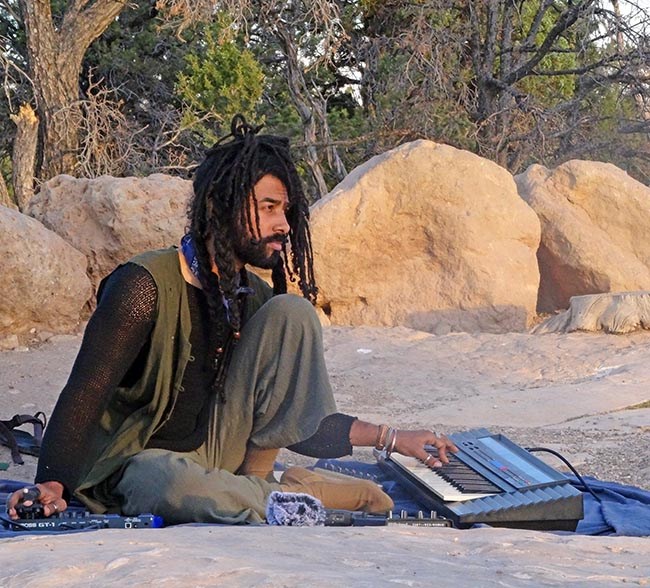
point(21, 441)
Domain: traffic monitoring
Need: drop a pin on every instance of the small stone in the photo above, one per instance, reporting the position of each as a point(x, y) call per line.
point(9, 343)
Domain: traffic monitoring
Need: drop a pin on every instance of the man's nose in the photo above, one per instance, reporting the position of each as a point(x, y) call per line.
point(282, 225)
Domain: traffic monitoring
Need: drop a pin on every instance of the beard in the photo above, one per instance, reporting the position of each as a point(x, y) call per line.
point(254, 252)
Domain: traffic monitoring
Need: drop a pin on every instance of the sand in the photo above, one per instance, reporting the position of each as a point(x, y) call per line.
point(582, 394)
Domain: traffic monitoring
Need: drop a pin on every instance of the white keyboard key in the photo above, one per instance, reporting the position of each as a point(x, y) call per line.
point(438, 485)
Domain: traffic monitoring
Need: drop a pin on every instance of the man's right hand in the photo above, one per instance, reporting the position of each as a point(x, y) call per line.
point(51, 497)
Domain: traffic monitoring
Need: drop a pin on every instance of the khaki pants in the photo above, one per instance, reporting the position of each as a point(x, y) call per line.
point(277, 393)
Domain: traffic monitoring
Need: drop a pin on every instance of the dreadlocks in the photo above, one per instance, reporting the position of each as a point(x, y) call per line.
point(223, 184)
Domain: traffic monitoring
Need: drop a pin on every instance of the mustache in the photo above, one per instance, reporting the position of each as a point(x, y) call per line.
point(278, 237)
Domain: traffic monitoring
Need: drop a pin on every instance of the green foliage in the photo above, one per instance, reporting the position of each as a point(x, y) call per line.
point(404, 71)
point(218, 82)
point(137, 57)
point(551, 90)
point(176, 92)
point(139, 60)
point(5, 170)
point(609, 136)
point(349, 128)
point(16, 87)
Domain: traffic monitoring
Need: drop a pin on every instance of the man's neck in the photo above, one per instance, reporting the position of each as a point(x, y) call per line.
point(190, 278)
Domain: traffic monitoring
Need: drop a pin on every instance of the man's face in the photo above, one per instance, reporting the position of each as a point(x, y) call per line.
point(263, 249)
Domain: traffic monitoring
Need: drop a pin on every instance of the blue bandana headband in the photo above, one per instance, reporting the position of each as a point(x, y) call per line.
point(189, 253)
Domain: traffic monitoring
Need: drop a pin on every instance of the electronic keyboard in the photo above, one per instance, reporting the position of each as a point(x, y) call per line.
point(490, 480)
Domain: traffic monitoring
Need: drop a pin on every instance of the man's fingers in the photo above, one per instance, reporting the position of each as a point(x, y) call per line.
point(446, 443)
point(442, 450)
point(54, 507)
point(428, 446)
point(443, 445)
point(442, 454)
point(431, 461)
point(13, 501)
point(28, 497)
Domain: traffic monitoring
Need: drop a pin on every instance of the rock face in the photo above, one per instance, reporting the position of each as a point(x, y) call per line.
point(428, 237)
point(111, 219)
point(44, 284)
point(595, 221)
point(617, 313)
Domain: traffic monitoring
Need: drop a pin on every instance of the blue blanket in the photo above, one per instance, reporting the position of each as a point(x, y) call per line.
point(620, 510)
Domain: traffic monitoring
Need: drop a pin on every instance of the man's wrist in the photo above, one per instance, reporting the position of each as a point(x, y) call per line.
point(52, 485)
point(56, 488)
point(364, 434)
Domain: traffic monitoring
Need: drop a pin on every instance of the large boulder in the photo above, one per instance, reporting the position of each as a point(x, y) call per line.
point(44, 286)
point(595, 221)
point(429, 237)
point(111, 219)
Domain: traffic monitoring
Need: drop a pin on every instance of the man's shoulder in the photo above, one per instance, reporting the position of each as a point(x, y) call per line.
point(156, 257)
point(162, 264)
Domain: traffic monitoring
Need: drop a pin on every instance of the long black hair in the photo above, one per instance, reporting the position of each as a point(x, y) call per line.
point(220, 210)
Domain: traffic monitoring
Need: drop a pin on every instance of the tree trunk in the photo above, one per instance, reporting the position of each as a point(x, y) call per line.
point(24, 155)
point(371, 51)
point(55, 58)
point(5, 197)
point(301, 100)
point(58, 97)
point(334, 161)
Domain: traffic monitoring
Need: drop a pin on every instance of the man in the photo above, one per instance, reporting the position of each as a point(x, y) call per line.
point(193, 372)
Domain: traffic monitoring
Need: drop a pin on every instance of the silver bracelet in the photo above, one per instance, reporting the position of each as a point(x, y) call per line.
point(388, 448)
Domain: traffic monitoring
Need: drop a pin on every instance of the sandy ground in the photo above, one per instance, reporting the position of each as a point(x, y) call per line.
point(581, 394)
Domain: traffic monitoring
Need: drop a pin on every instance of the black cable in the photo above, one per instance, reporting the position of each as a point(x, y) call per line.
point(568, 464)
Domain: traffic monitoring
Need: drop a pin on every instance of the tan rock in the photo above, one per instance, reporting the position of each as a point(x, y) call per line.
point(44, 284)
point(429, 237)
point(111, 219)
point(617, 313)
point(595, 221)
point(9, 342)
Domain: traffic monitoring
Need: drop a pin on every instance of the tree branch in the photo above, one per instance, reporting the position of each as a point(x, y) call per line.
point(565, 20)
point(82, 24)
point(537, 22)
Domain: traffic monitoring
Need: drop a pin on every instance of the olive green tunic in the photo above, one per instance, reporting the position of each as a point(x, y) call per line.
point(277, 392)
